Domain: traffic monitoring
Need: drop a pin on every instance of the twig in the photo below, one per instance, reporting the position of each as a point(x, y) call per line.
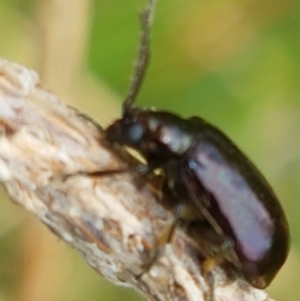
point(115, 221)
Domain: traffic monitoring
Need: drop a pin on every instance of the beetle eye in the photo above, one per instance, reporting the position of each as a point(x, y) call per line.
point(135, 133)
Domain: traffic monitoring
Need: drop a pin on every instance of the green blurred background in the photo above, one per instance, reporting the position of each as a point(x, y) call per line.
point(235, 63)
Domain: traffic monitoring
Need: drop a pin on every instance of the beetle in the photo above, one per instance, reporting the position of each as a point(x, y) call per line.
point(207, 173)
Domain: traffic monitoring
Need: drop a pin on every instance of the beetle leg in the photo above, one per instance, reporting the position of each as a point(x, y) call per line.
point(227, 244)
point(142, 169)
point(200, 206)
point(99, 173)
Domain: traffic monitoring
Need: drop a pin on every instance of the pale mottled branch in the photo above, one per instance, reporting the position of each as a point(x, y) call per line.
point(114, 221)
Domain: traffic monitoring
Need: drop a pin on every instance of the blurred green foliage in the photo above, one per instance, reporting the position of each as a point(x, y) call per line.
point(235, 63)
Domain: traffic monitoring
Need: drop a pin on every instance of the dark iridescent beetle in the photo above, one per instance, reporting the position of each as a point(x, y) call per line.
point(204, 170)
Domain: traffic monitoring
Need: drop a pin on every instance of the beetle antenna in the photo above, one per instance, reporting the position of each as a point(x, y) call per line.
point(143, 56)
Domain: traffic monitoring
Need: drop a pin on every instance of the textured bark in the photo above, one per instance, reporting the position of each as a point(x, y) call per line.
point(115, 221)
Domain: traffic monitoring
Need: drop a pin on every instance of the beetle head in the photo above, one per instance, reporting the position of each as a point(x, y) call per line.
point(158, 136)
